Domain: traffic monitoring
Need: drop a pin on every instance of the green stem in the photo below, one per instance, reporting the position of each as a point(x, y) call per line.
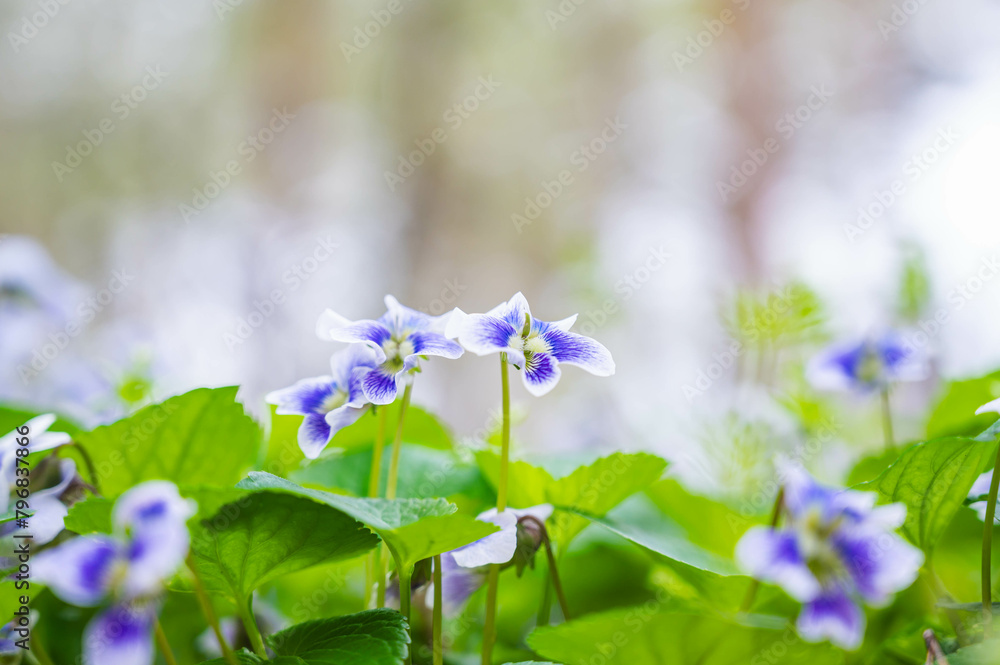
point(489, 631)
point(88, 462)
point(890, 440)
point(390, 488)
point(991, 510)
point(206, 609)
point(404, 604)
point(39, 652)
point(436, 643)
point(380, 572)
point(754, 584)
point(373, 567)
point(164, 645)
point(245, 610)
point(545, 609)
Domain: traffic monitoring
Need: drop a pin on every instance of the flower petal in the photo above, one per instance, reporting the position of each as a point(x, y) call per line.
point(514, 311)
point(832, 616)
point(314, 434)
point(39, 438)
point(78, 571)
point(380, 385)
point(880, 563)
point(902, 361)
point(405, 320)
point(497, 547)
point(774, 556)
point(372, 334)
point(541, 374)
point(982, 485)
point(50, 511)
point(990, 407)
point(120, 635)
point(457, 585)
point(343, 364)
point(152, 504)
point(573, 349)
point(484, 334)
point(433, 344)
point(304, 397)
point(154, 556)
point(337, 420)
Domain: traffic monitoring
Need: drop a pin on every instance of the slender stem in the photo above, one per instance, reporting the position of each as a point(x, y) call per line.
point(380, 572)
point(404, 604)
point(890, 440)
point(437, 644)
point(372, 567)
point(991, 510)
point(489, 631)
point(164, 646)
point(206, 609)
point(250, 624)
point(754, 584)
point(88, 462)
point(545, 609)
point(935, 654)
point(39, 652)
point(390, 488)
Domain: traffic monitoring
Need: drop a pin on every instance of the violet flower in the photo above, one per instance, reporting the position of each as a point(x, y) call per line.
point(867, 366)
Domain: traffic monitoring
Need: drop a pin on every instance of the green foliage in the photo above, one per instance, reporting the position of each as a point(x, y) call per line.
point(420, 427)
point(914, 285)
point(264, 535)
point(92, 515)
point(789, 314)
point(984, 653)
point(932, 480)
point(412, 529)
point(200, 437)
point(955, 412)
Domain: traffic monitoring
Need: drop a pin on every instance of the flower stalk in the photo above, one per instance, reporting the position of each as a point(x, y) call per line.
point(206, 609)
point(437, 644)
point(489, 634)
point(890, 439)
point(390, 486)
point(988, 524)
point(250, 624)
point(373, 567)
point(163, 644)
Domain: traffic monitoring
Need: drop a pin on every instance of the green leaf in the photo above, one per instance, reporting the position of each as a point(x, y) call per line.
point(202, 437)
point(984, 653)
point(659, 632)
point(374, 637)
point(420, 427)
point(12, 417)
point(932, 480)
point(423, 473)
point(594, 489)
point(955, 412)
point(92, 515)
point(265, 535)
point(413, 529)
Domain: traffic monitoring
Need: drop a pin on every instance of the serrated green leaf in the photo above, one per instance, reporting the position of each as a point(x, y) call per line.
point(373, 637)
point(264, 535)
point(593, 489)
point(652, 635)
point(202, 437)
point(412, 529)
point(955, 412)
point(932, 480)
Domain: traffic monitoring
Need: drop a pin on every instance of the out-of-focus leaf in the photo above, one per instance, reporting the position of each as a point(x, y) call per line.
point(984, 653)
point(201, 437)
point(413, 529)
point(92, 515)
point(932, 480)
point(421, 427)
point(12, 417)
point(955, 412)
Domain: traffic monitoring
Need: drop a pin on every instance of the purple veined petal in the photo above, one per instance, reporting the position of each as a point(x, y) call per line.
point(832, 616)
point(380, 385)
point(774, 556)
point(154, 556)
point(880, 563)
point(314, 434)
point(304, 397)
point(120, 635)
point(39, 438)
point(343, 364)
point(902, 361)
point(372, 334)
point(80, 570)
point(584, 352)
point(406, 320)
point(8, 474)
point(484, 334)
point(989, 407)
point(152, 504)
point(541, 374)
point(335, 421)
point(50, 511)
point(497, 547)
point(457, 585)
point(433, 344)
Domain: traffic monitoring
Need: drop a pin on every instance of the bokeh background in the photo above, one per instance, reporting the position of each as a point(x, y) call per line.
point(216, 173)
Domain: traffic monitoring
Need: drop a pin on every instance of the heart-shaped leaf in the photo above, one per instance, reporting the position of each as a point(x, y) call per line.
point(200, 438)
point(932, 479)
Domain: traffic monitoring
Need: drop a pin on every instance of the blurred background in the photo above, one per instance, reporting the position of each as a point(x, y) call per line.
point(186, 185)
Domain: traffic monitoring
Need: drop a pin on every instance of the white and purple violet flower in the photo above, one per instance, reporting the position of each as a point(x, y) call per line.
point(867, 366)
point(398, 339)
point(836, 551)
point(126, 572)
point(534, 346)
point(981, 487)
point(329, 403)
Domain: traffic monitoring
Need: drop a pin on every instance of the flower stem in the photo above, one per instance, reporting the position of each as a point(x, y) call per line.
point(404, 605)
point(437, 645)
point(245, 610)
point(988, 524)
point(206, 609)
point(890, 440)
point(164, 645)
point(489, 631)
point(390, 486)
point(545, 609)
point(373, 567)
point(754, 584)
